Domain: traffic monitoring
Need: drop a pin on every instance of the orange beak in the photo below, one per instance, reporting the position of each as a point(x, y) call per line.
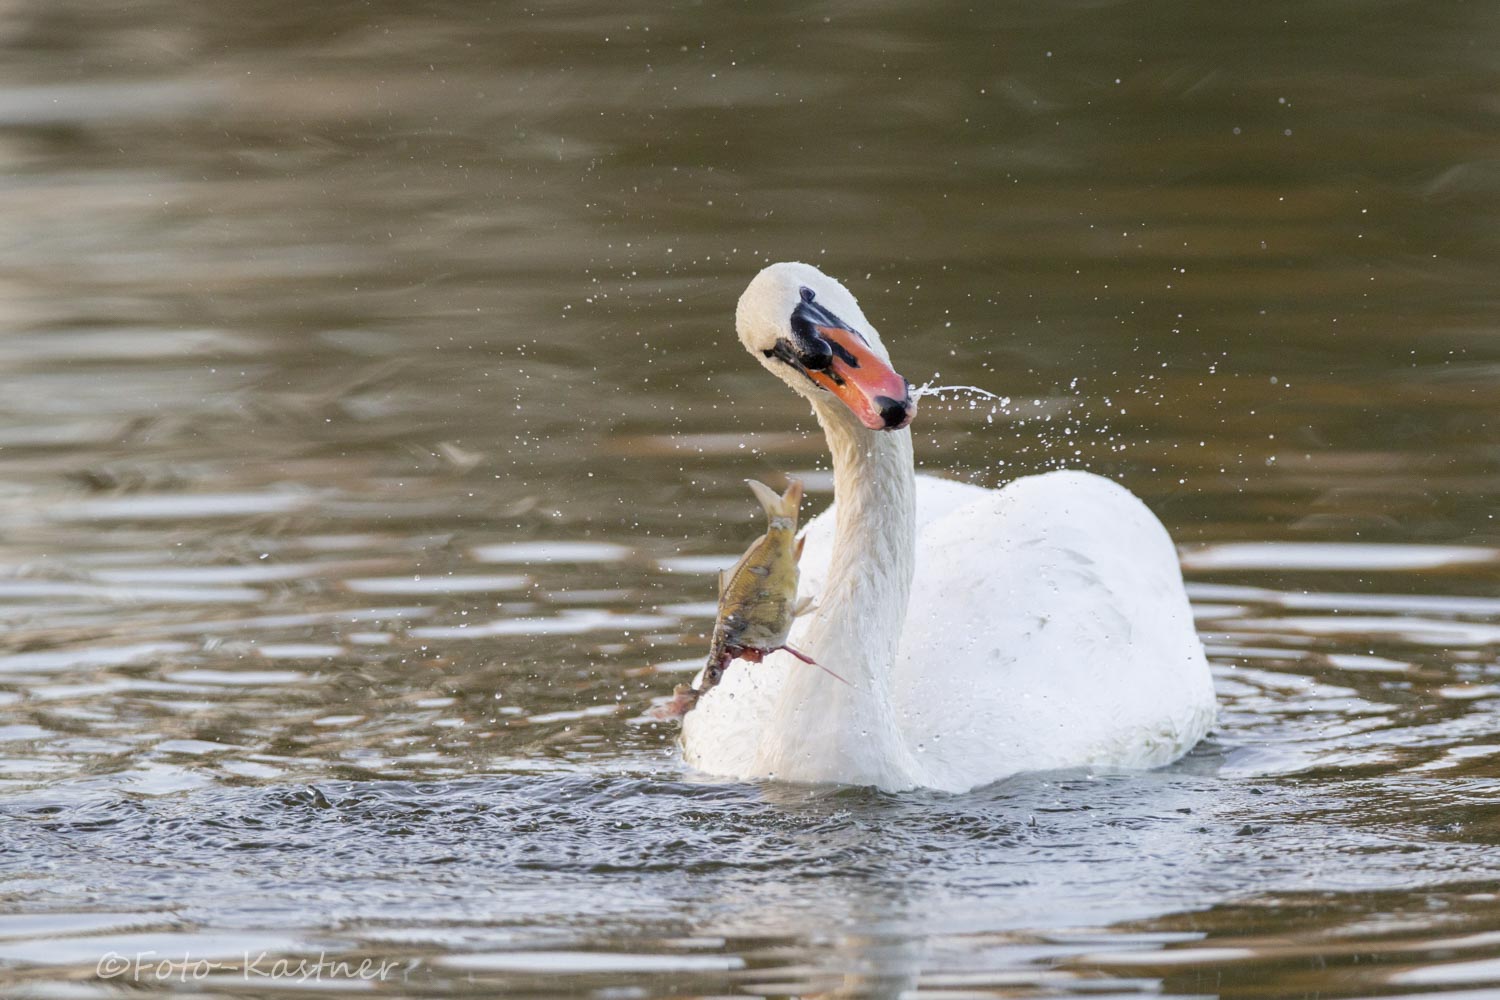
point(871, 389)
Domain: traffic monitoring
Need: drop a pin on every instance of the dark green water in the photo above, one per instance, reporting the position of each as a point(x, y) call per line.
point(373, 422)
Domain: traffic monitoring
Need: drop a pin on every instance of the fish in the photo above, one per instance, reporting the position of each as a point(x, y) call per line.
point(757, 598)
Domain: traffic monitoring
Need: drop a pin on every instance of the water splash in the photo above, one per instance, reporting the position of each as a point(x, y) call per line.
point(928, 389)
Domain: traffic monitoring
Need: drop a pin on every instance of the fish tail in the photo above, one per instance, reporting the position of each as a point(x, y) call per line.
point(784, 505)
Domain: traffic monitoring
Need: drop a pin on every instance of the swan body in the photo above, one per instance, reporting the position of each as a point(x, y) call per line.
point(982, 632)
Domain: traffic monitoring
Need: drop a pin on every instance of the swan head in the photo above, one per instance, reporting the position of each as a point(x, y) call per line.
point(808, 331)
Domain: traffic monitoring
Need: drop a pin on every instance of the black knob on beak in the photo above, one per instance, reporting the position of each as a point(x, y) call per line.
point(895, 412)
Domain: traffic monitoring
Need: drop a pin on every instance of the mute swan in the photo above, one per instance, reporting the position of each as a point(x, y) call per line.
point(981, 632)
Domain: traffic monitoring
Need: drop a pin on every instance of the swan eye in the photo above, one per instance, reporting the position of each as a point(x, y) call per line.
point(786, 353)
point(813, 352)
point(815, 344)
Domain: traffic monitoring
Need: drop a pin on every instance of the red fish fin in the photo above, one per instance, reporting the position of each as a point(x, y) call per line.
point(808, 659)
point(683, 701)
point(800, 655)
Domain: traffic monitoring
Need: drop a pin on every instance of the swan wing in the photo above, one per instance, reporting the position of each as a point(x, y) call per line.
point(1048, 627)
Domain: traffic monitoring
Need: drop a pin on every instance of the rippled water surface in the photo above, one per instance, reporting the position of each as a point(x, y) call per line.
point(373, 425)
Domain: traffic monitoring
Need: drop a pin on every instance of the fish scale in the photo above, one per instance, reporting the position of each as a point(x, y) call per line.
point(757, 597)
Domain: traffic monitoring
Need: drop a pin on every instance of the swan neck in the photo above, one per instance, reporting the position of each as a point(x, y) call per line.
point(849, 732)
point(874, 549)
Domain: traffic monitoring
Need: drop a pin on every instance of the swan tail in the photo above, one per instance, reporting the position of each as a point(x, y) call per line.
point(784, 505)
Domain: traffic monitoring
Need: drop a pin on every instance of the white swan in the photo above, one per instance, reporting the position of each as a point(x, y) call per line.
point(982, 632)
